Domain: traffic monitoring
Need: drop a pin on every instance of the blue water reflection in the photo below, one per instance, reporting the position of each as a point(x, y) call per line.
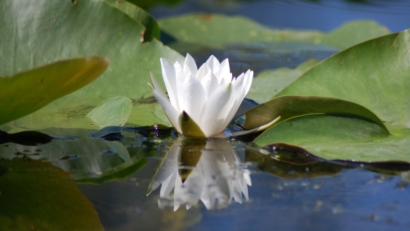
point(324, 15)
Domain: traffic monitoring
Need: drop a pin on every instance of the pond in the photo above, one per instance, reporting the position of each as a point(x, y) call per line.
point(76, 176)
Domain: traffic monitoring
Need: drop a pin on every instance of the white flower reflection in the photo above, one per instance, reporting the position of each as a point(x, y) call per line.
point(215, 177)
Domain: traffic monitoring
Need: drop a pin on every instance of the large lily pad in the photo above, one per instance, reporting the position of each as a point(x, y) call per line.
point(38, 196)
point(63, 30)
point(218, 30)
point(375, 74)
point(29, 91)
point(270, 82)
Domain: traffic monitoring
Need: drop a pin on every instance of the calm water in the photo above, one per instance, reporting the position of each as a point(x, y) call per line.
point(276, 191)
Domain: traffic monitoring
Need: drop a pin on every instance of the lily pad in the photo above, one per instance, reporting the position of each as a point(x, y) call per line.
point(375, 74)
point(26, 92)
point(112, 112)
point(215, 30)
point(64, 31)
point(151, 26)
point(288, 107)
point(270, 82)
point(340, 138)
point(35, 195)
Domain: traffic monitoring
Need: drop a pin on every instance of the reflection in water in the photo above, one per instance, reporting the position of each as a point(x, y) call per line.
point(194, 170)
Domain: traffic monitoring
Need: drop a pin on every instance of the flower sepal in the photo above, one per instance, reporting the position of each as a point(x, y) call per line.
point(189, 127)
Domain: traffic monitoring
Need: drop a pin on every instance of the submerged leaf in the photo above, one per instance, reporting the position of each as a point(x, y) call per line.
point(112, 112)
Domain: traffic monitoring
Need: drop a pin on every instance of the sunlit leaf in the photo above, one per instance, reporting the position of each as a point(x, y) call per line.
point(374, 74)
point(26, 92)
point(288, 107)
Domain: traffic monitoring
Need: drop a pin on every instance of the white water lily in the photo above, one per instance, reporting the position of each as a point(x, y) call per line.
point(209, 96)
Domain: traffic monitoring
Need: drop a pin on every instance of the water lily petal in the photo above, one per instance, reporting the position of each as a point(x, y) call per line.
point(248, 78)
point(170, 111)
point(194, 96)
point(235, 100)
point(168, 74)
point(213, 63)
point(180, 79)
point(190, 65)
point(211, 112)
point(210, 84)
point(156, 85)
point(203, 71)
point(224, 72)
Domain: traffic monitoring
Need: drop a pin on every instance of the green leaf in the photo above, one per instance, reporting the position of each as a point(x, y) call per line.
point(216, 30)
point(288, 107)
point(38, 196)
point(340, 138)
point(374, 74)
point(31, 90)
point(151, 26)
point(112, 112)
point(270, 82)
point(65, 31)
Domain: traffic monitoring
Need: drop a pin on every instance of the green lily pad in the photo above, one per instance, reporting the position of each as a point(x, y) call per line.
point(340, 138)
point(288, 107)
point(374, 74)
point(26, 92)
point(270, 82)
point(64, 31)
point(35, 195)
point(151, 26)
point(112, 112)
point(216, 30)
